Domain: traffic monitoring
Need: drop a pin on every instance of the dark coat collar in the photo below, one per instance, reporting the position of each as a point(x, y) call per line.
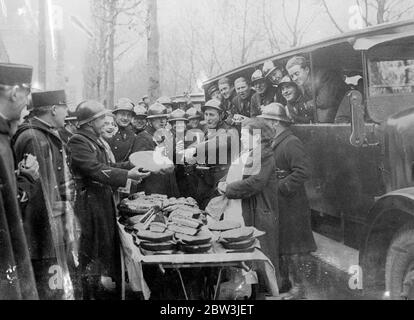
point(150, 130)
point(280, 138)
point(91, 136)
point(37, 125)
point(4, 126)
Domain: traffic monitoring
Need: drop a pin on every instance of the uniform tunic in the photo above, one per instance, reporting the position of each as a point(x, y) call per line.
point(123, 144)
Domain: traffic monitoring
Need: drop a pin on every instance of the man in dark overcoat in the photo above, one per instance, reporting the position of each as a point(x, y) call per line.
point(95, 177)
point(49, 217)
point(296, 237)
point(17, 279)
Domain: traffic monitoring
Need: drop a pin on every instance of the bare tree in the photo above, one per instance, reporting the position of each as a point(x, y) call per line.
point(328, 12)
point(153, 58)
point(42, 43)
point(384, 11)
point(109, 16)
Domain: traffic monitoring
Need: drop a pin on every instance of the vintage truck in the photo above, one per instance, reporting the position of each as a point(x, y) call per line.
point(362, 185)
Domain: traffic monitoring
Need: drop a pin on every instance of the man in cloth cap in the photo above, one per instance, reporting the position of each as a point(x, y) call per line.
point(16, 273)
point(96, 177)
point(295, 232)
point(124, 143)
point(49, 216)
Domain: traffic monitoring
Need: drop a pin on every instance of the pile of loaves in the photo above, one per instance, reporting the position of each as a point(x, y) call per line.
point(164, 225)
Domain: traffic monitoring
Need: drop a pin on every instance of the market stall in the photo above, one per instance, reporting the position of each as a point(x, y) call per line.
point(176, 234)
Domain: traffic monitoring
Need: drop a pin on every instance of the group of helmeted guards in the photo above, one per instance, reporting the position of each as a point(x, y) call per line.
point(61, 174)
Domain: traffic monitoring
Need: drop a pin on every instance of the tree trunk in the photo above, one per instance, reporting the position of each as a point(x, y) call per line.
point(153, 51)
point(110, 96)
point(381, 11)
point(42, 43)
point(60, 82)
point(60, 63)
point(244, 40)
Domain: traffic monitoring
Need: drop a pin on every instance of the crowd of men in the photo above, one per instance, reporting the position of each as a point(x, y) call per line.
point(61, 172)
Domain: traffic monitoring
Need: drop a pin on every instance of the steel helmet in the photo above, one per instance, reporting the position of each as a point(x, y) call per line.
point(157, 110)
point(257, 75)
point(89, 111)
point(213, 104)
point(268, 68)
point(193, 113)
point(124, 104)
point(164, 101)
point(286, 81)
point(178, 115)
point(275, 111)
point(140, 111)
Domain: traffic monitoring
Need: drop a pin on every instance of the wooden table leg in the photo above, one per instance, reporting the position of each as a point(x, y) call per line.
point(216, 291)
point(122, 276)
point(182, 284)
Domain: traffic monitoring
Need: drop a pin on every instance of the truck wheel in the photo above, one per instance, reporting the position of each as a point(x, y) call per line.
point(399, 270)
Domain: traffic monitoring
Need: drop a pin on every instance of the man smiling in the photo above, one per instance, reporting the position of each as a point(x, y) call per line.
point(265, 92)
point(242, 102)
point(124, 143)
point(323, 88)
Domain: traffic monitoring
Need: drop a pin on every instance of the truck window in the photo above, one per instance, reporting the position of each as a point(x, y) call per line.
point(391, 69)
point(391, 77)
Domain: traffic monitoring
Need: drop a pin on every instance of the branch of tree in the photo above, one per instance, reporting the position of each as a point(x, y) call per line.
point(331, 17)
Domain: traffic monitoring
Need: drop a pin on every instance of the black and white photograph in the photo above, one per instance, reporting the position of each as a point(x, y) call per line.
point(222, 152)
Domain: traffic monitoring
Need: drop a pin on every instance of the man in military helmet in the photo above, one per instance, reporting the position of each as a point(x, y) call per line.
point(49, 216)
point(265, 92)
point(15, 263)
point(139, 120)
point(274, 74)
point(156, 134)
point(124, 143)
point(298, 110)
point(215, 154)
point(96, 177)
point(295, 232)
